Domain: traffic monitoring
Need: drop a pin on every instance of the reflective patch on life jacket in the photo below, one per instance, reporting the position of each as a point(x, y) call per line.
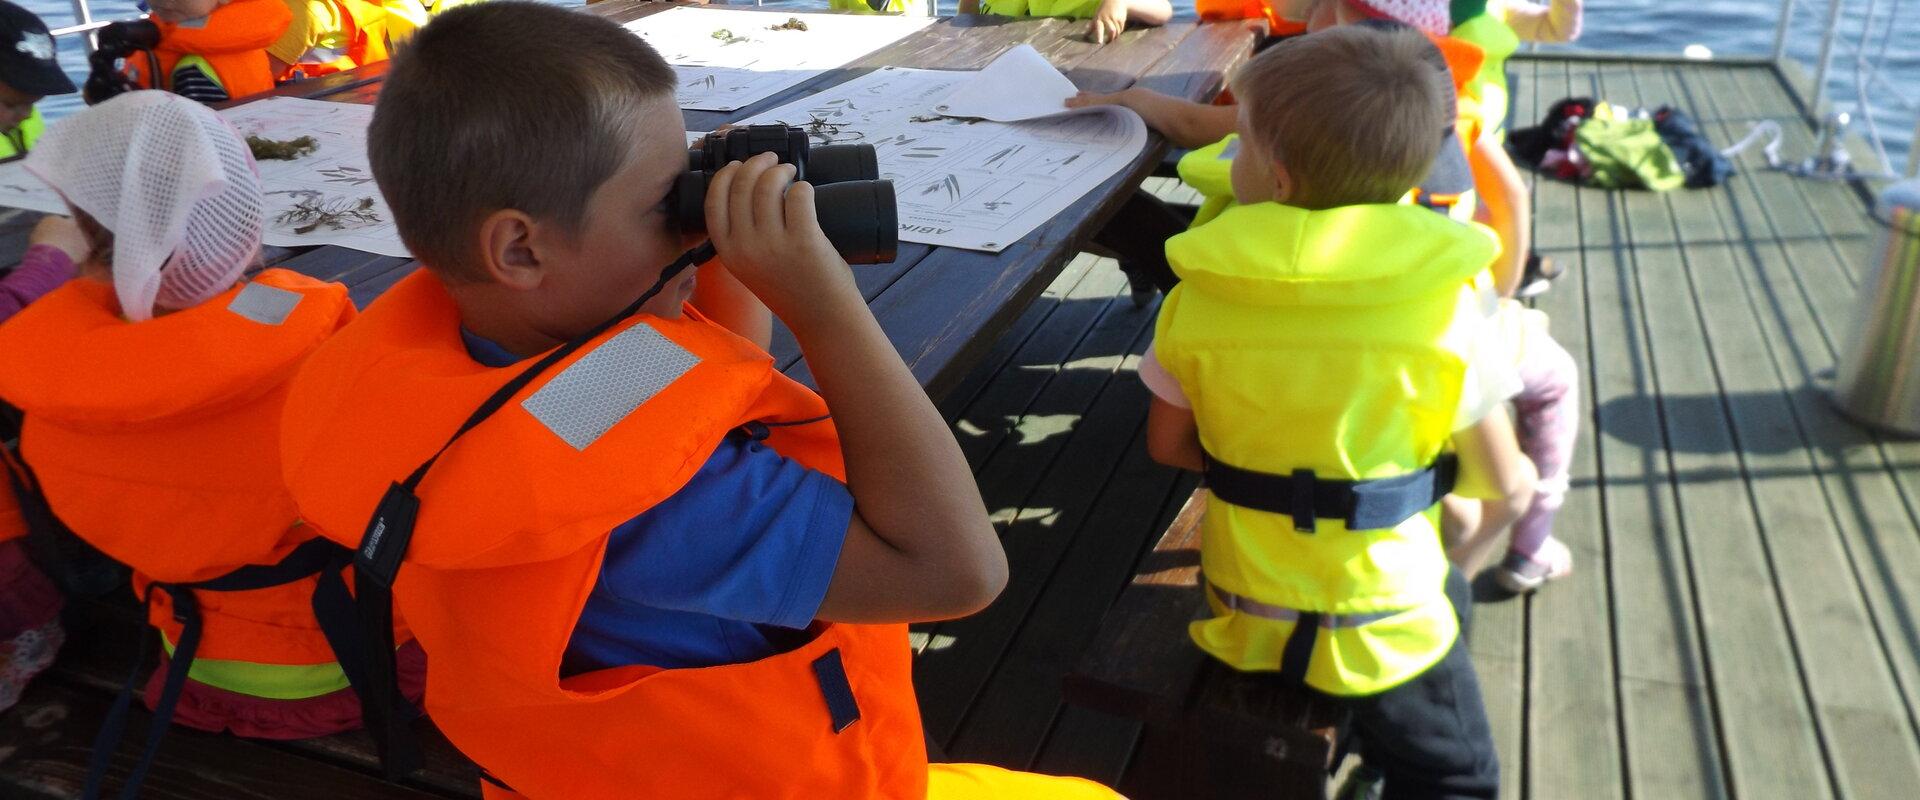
point(588, 398)
point(267, 305)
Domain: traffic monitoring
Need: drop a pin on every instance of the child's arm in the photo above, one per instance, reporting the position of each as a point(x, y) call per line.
point(1494, 472)
point(968, 7)
point(919, 546)
point(53, 249)
point(1113, 16)
point(1173, 437)
point(1503, 192)
point(1184, 123)
point(723, 299)
point(1558, 21)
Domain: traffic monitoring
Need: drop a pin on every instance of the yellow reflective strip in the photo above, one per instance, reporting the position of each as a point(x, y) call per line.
point(271, 681)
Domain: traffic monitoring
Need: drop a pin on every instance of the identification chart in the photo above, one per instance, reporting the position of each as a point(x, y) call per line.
point(967, 183)
point(322, 193)
point(728, 59)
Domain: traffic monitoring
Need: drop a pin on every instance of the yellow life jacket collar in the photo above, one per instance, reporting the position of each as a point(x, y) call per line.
point(1275, 255)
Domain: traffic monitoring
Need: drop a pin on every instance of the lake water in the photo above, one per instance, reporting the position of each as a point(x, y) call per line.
point(1727, 27)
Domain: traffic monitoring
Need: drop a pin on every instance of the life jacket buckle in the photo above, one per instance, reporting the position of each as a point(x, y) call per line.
point(1304, 494)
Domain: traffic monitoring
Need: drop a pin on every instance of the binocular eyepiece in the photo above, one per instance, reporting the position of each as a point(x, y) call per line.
point(857, 210)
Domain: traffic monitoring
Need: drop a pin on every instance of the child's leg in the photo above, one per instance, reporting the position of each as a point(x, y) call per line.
point(1429, 737)
point(1137, 235)
point(1547, 417)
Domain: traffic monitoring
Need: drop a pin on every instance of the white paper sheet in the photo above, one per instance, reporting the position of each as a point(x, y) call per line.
point(1019, 85)
point(752, 62)
point(334, 176)
point(968, 184)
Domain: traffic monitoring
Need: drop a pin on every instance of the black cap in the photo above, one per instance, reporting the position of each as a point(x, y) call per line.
point(27, 60)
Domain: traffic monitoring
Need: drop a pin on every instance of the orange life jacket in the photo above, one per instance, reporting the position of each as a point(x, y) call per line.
point(513, 524)
point(234, 43)
point(1216, 10)
point(154, 442)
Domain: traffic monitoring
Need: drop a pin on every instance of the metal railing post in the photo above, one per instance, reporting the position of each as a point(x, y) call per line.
point(1826, 58)
point(1780, 31)
point(1913, 148)
point(83, 15)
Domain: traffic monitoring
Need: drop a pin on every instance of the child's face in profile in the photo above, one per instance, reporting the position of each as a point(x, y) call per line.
point(1255, 174)
point(627, 236)
point(15, 107)
point(177, 11)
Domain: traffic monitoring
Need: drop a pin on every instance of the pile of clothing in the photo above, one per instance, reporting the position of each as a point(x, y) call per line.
point(1617, 147)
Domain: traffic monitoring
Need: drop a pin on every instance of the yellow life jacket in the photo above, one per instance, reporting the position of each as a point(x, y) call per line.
point(1334, 341)
point(1488, 87)
point(18, 141)
point(358, 32)
point(903, 7)
point(412, 14)
point(1076, 9)
point(1448, 187)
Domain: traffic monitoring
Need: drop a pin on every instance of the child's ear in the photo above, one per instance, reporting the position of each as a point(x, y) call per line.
point(1283, 184)
point(508, 251)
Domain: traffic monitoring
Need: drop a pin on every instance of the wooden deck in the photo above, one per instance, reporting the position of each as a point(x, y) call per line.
point(1745, 616)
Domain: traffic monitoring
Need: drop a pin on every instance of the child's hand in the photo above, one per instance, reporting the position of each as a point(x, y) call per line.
point(1108, 21)
point(764, 226)
point(1124, 97)
point(63, 234)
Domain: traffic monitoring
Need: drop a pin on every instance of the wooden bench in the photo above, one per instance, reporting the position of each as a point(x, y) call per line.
point(1210, 730)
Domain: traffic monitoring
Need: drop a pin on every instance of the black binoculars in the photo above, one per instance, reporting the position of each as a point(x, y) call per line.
point(117, 41)
point(857, 210)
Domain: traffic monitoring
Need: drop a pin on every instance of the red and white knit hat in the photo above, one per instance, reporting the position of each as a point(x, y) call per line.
point(1427, 15)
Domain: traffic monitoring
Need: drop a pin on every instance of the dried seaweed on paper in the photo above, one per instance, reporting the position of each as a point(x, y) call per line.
point(792, 24)
point(265, 149)
point(313, 212)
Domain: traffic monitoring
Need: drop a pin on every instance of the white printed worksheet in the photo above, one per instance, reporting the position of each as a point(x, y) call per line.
point(324, 195)
point(728, 59)
point(961, 182)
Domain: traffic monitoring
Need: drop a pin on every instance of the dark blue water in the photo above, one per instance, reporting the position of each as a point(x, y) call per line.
point(1727, 27)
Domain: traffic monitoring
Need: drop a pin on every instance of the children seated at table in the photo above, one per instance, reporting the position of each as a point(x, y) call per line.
point(1109, 17)
point(1318, 362)
point(205, 50)
point(28, 72)
point(152, 389)
point(652, 566)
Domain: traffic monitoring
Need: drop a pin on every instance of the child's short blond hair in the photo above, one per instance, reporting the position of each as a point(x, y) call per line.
point(1355, 113)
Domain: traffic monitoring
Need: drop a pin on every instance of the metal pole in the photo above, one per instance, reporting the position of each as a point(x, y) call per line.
point(82, 15)
point(1780, 31)
point(1826, 58)
point(1913, 148)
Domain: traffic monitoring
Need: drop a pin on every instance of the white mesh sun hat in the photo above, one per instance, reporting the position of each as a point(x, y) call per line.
point(174, 183)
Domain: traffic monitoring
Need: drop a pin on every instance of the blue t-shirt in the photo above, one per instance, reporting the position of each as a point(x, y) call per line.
point(730, 569)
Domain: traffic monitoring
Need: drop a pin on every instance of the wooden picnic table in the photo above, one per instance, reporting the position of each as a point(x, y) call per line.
point(942, 308)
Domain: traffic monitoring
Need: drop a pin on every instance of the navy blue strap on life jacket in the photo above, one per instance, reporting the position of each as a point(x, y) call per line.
point(333, 607)
point(1363, 505)
point(383, 547)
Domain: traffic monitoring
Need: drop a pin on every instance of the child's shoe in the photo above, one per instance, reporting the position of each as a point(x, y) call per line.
point(1520, 573)
point(1539, 275)
point(27, 655)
